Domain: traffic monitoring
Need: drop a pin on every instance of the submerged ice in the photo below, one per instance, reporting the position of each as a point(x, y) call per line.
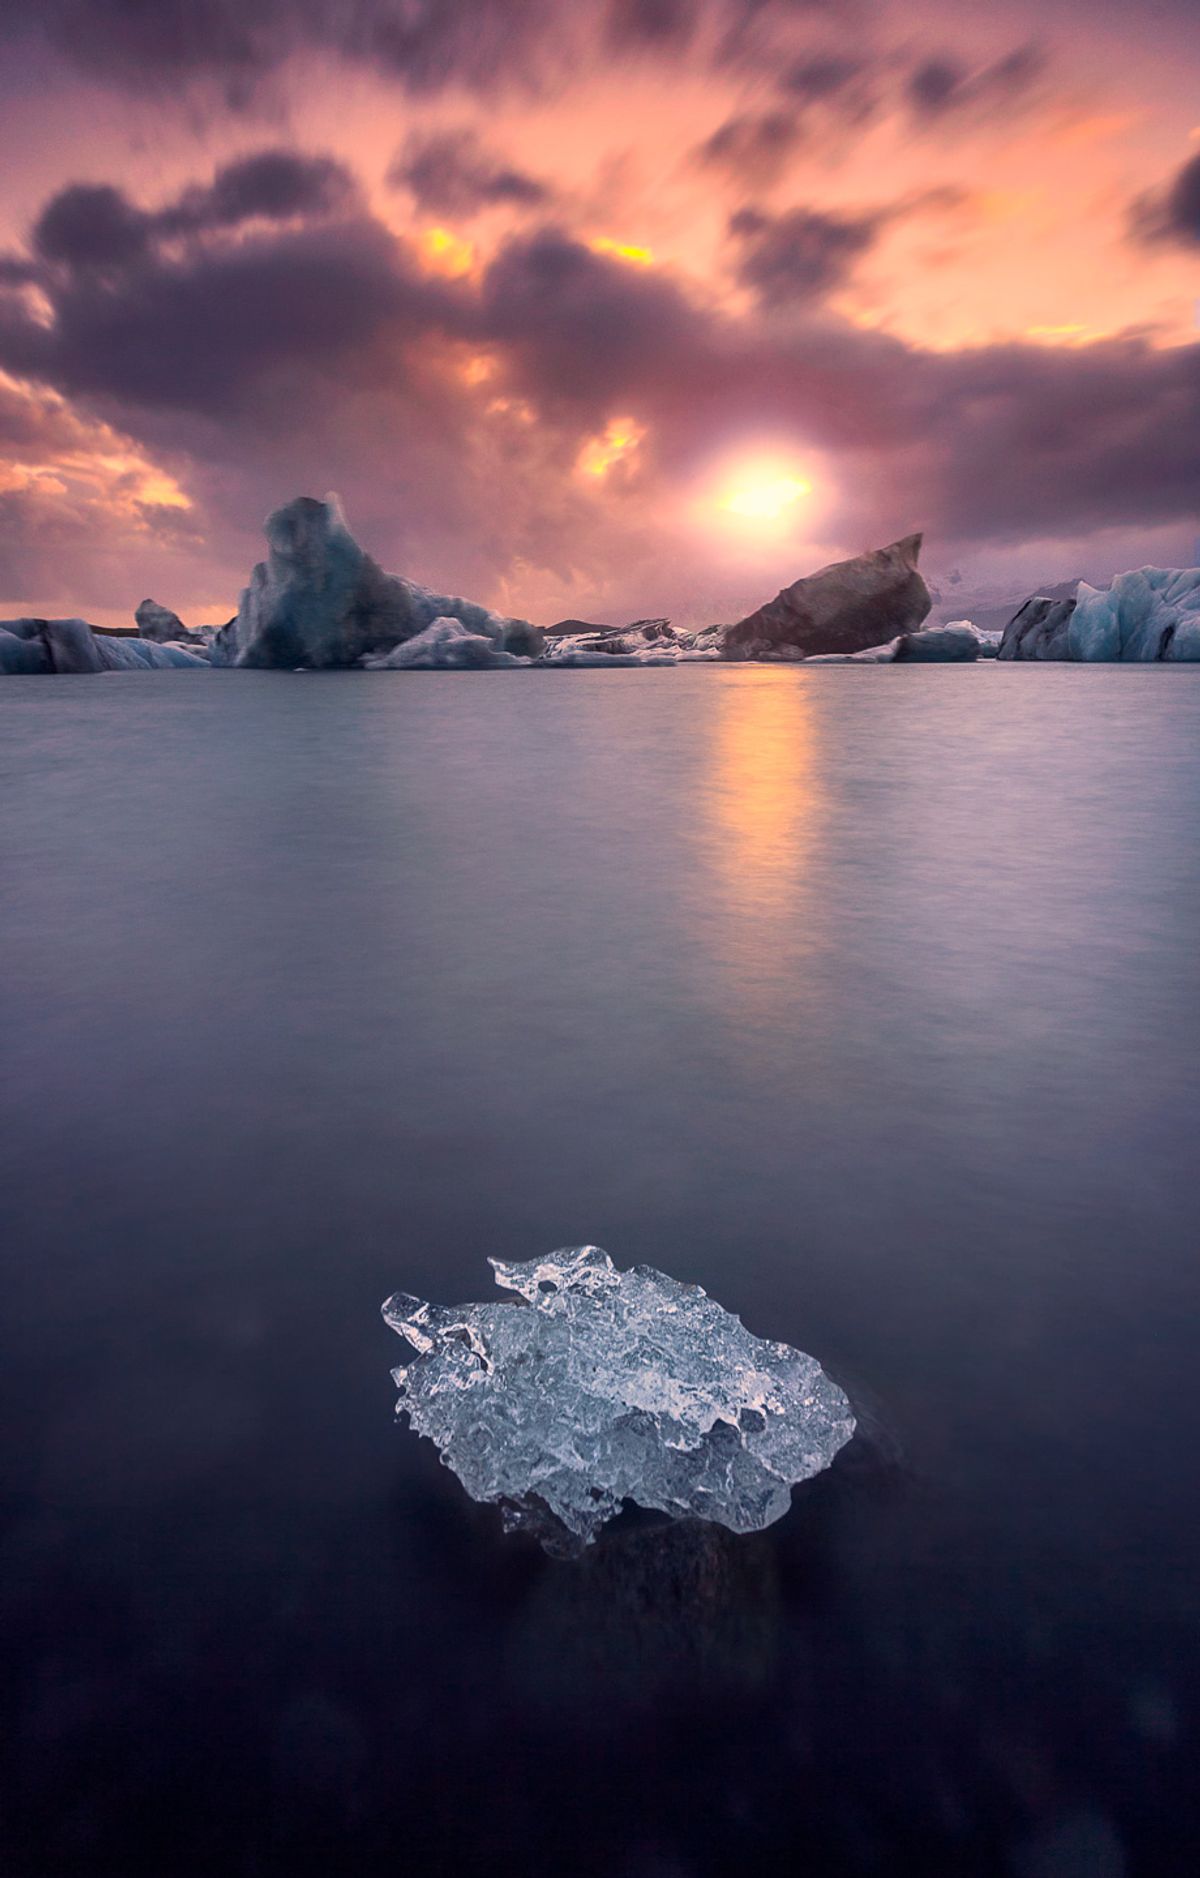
point(601, 1386)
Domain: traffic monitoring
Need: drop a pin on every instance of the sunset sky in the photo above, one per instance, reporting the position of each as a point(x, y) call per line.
point(608, 309)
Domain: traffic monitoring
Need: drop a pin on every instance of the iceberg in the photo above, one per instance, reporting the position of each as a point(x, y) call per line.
point(138, 655)
point(446, 645)
point(1150, 615)
point(592, 1386)
point(957, 641)
point(23, 652)
point(70, 646)
point(161, 624)
point(645, 642)
point(849, 606)
point(320, 601)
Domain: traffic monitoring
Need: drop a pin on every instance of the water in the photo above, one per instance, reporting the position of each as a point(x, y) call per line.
point(867, 998)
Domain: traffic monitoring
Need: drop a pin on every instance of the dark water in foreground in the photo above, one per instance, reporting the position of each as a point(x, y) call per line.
point(868, 999)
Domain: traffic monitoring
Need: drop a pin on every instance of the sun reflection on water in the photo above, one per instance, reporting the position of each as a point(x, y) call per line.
point(763, 820)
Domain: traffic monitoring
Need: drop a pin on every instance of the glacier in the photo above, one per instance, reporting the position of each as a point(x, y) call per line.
point(590, 1386)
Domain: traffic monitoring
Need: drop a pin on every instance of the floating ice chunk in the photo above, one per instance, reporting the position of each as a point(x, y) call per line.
point(72, 646)
point(646, 642)
point(844, 608)
point(605, 1386)
point(446, 644)
point(954, 643)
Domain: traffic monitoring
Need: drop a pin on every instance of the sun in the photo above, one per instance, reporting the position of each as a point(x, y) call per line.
point(761, 492)
point(765, 501)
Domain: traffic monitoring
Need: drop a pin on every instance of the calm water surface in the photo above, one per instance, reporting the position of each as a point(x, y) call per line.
point(869, 999)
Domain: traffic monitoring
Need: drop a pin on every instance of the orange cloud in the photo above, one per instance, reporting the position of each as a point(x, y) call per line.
point(444, 252)
point(617, 442)
point(622, 250)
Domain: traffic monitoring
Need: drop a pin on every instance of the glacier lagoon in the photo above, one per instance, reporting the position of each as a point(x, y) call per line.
point(869, 1005)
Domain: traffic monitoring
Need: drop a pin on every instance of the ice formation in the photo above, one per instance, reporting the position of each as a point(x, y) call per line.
point(846, 607)
point(646, 642)
point(1150, 615)
point(71, 646)
point(445, 645)
point(955, 642)
point(159, 623)
point(319, 600)
point(603, 1386)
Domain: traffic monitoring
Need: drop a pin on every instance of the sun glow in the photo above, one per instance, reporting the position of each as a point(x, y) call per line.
point(768, 492)
point(761, 492)
point(766, 501)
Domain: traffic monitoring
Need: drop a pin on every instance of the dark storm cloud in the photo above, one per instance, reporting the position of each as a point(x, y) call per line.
point(1172, 214)
point(800, 256)
point(276, 185)
point(312, 351)
point(452, 173)
point(584, 328)
point(944, 83)
point(94, 226)
point(203, 332)
point(1028, 440)
point(91, 225)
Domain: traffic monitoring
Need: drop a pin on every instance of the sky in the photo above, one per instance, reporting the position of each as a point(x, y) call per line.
point(604, 310)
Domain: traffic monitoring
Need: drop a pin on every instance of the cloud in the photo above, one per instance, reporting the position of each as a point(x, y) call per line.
point(821, 93)
point(1171, 214)
point(91, 225)
point(581, 328)
point(828, 77)
point(752, 148)
point(276, 185)
point(944, 84)
point(428, 46)
point(310, 353)
point(663, 25)
point(800, 256)
point(994, 443)
point(453, 173)
point(237, 45)
point(79, 501)
point(198, 331)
